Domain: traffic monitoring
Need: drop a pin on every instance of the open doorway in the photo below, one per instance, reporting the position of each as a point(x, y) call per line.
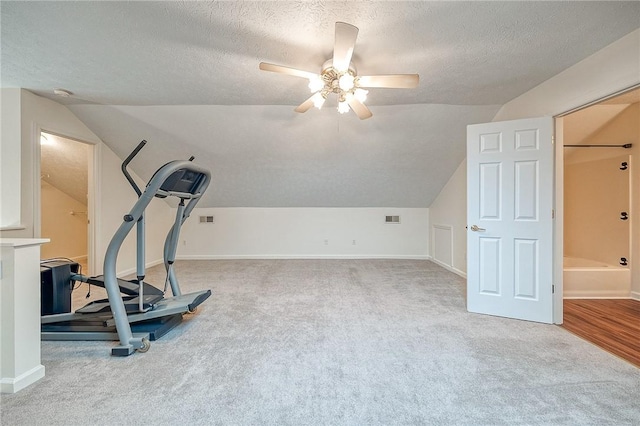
point(64, 198)
point(598, 204)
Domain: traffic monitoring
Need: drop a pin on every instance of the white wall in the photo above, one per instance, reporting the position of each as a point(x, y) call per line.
point(305, 232)
point(10, 158)
point(114, 196)
point(37, 113)
point(117, 199)
point(614, 68)
point(609, 70)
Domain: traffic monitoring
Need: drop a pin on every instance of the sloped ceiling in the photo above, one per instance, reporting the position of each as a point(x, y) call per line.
point(584, 123)
point(581, 125)
point(184, 76)
point(64, 164)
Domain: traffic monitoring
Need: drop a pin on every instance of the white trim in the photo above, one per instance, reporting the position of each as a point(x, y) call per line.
point(15, 384)
point(13, 228)
point(558, 222)
point(450, 268)
point(298, 256)
point(36, 155)
point(599, 297)
point(596, 294)
point(635, 295)
point(433, 243)
point(22, 242)
point(94, 209)
point(602, 99)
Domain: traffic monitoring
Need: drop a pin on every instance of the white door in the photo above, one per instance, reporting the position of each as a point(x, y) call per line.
point(509, 216)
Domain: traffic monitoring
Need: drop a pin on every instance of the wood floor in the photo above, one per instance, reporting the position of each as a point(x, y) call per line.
point(612, 324)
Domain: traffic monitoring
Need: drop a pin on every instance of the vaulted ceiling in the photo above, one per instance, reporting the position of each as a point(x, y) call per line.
point(184, 76)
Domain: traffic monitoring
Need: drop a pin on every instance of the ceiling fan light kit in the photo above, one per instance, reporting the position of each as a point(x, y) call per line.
point(339, 76)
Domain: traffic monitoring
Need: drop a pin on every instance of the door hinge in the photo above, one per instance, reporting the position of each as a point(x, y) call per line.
point(553, 140)
point(553, 213)
point(553, 288)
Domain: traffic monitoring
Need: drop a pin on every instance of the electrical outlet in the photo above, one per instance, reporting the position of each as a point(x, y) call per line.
point(354, 242)
point(326, 242)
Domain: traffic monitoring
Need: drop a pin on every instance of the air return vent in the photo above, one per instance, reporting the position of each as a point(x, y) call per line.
point(392, 219)
point(207, 219)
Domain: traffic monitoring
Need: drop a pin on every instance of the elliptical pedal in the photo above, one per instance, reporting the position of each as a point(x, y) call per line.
point(131, 288)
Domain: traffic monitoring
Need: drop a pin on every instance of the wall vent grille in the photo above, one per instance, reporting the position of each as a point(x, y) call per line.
point(207, 219)
point(392, 219)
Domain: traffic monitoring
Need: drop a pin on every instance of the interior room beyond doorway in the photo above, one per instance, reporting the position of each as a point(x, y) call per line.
point(599, 146)
point(64, 195)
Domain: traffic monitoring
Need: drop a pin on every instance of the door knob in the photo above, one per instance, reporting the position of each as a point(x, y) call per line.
point(476, 228)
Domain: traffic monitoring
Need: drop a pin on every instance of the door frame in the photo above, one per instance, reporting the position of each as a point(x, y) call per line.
point(558, 245)
point(558, 222)
point(93, 186)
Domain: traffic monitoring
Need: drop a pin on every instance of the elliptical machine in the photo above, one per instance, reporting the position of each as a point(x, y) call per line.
point(135, 312)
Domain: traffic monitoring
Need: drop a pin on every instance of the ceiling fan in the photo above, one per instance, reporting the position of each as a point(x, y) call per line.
point(339, 76)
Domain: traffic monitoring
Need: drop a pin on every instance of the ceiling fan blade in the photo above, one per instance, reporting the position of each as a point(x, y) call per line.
point(359, 108)
point(306, 105)
point(264, 66)
point(346, 35)
point(393, 81)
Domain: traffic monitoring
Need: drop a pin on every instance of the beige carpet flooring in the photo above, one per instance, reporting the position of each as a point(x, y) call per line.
point(332, 342)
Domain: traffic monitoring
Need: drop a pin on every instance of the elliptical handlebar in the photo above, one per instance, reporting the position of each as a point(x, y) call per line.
point(126, 162)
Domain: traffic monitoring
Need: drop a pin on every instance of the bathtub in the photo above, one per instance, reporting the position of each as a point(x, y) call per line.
point(585, 278)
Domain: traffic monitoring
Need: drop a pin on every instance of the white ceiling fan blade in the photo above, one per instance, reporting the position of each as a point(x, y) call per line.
point(306, 105)
point(346, 35)
point(392, 81)
point(359, 108)
point(264, 66)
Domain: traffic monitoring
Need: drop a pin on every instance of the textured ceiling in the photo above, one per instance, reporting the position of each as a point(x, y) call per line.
point(184, 75)
point(264, 156)
point(64, 163)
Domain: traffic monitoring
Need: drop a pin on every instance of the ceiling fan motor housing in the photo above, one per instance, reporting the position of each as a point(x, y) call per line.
point(331, 78)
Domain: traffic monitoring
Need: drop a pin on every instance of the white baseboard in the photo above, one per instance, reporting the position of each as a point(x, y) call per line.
point(297, 256)
point(597, 294)
point(635, 295)
point(13, 385)
point(450, 268)
point(133, 270)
